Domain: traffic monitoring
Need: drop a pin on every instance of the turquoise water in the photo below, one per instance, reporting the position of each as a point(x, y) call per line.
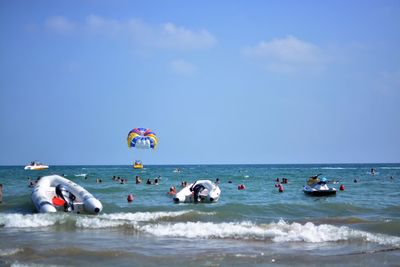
point(255, 226)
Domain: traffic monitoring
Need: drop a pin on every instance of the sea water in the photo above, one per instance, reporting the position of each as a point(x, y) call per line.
point(258, 226)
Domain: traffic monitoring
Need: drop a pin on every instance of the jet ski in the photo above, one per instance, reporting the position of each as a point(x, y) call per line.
point(319, 188)
point(199, 191)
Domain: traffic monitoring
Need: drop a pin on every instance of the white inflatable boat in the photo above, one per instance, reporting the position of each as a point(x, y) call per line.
point(55, 193)
point(36, 166)
point(199, 191)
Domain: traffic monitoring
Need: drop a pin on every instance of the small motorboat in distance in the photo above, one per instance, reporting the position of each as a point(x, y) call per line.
point(36, 166)
point(55, 193)
point(138, 164)
point(318, 187)
point(199, 191)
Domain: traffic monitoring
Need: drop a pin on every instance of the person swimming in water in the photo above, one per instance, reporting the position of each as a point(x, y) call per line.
point(172, 191)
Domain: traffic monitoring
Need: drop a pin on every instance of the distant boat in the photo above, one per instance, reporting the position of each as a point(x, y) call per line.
point(36, 166)
point(138, 164)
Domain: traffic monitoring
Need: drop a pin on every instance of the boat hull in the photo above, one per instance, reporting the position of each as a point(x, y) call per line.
point(328, 191)
point(36, 168)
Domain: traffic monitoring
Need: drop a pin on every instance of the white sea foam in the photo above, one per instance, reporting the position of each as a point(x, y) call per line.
point(81, 175)
point(87, 222)
point(120, 219)
point(15, 220)
point(277, 232)
point(10, 251)
point(148, 222)
point(204, 230)
point(17, 264)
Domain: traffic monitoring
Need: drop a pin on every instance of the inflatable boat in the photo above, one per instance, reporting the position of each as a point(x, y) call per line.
point(36, 166)
point(319, 188)
point(199, 191)
point(55, 193)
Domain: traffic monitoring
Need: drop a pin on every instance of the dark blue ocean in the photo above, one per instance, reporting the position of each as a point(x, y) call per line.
point(258, 226)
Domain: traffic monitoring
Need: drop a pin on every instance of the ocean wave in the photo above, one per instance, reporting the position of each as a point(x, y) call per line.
point(17, 264)
point(10, 251)
point(159, 224)
point(130, 219)
point(389, 168)
point(81, 175)
point(16, 220)
point(335, 168)
point(277, 232)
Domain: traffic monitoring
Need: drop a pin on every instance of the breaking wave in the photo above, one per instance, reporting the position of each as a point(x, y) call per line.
point(10, 251)
point(159, 224)
point(277, 232)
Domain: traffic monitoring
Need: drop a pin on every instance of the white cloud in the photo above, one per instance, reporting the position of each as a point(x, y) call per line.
point(180, 37)
point(183, 67)
point(142, 34)
point(59, 24)
point(287, 55)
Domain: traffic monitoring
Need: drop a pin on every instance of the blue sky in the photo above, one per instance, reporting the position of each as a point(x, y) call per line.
point(218, 81)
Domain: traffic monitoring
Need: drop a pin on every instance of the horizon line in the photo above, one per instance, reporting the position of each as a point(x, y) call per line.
point(188, 164)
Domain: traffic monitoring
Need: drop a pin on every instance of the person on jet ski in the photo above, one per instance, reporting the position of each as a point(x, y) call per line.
point(313, 180)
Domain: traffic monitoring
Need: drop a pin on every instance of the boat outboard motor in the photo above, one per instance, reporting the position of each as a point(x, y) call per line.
point(67, 196)
point(197, 189)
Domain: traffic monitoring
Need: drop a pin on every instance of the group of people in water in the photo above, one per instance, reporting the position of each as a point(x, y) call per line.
point(138, 180)
point(284, 180)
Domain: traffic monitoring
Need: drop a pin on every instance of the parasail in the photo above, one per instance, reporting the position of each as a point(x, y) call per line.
point(142, 138)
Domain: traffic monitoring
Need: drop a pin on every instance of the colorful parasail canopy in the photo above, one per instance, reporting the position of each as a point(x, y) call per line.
point(142, 138)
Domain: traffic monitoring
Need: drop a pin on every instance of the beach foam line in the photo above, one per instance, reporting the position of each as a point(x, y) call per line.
point(81, 175)
point(277, 232)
